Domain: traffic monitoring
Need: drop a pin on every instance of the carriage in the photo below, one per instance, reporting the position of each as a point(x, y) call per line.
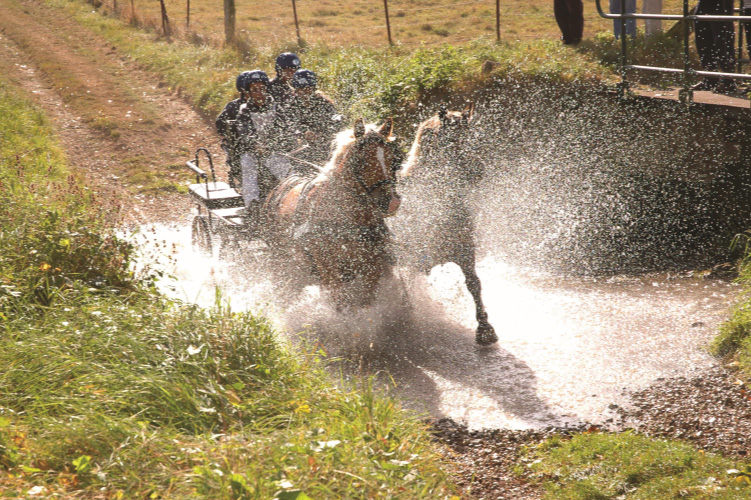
point(326, 228)
point(219, 224)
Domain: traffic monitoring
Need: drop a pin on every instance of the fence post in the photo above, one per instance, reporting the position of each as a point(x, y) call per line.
point(165, 20)
point(297, 24)
point(388, 24)
point(498, 20)
point(229, 21)
point(187, 14)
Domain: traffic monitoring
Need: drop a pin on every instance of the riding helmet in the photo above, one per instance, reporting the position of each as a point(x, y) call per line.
point(247, 77)
point(304, 78)
point(287, 60)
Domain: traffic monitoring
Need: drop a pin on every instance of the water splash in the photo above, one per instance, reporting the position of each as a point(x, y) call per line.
point(576, 193)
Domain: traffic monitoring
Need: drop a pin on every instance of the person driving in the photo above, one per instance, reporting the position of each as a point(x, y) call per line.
point(226, 125)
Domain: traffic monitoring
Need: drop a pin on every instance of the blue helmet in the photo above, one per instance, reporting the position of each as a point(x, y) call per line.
point(247, 77)
point(287, 60)
point(304, 78)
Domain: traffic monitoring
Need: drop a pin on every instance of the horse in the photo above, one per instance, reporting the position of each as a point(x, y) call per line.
point(441, 230)
point(332, 225)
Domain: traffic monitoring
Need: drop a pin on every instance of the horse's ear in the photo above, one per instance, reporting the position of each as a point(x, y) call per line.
point(359, 128)
point(468, 112)
point(387, 127)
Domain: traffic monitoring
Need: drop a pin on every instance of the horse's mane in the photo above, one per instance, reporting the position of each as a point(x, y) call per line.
point(342, 141)
point(413, 156)
point(431, 125)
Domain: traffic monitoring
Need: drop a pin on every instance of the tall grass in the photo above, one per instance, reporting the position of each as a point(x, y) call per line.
point(48, 236)
point(108, 390)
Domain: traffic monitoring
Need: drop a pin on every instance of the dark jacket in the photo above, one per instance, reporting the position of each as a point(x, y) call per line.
point(280, 91)
point(239, 123)
point(226, 125)
point(320, 118)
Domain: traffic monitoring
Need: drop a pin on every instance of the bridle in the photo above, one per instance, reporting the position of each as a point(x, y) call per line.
point(355, 159)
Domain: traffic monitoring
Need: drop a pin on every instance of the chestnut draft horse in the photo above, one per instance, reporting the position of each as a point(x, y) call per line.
point(332, 225)
point(442, 167)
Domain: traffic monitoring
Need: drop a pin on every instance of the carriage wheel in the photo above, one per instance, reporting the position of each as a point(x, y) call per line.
point(201, 235)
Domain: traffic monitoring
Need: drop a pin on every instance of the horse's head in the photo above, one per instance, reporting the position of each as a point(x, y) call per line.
point(443, 138)
point(455, 122)
point(372, 157)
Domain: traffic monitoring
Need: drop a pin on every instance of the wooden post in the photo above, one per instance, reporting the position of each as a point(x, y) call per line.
point(297, 24)
point(165, 20)
point(498, 21)
point(229, 21)
point(132, 12)
point(388, 23)
point(187, 14)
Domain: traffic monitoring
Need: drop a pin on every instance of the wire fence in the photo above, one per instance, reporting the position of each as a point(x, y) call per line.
point(394, 21)
point(372, 22)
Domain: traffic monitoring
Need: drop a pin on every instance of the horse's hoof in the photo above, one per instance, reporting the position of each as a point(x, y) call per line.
point(486, 334)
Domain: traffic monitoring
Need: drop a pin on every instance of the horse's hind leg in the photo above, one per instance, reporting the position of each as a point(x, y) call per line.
point(485, 334)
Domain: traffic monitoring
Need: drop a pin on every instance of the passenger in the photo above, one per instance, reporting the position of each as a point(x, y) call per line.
point(312, 116)
point(226, 125)
point(286, 65)
point(258, 127)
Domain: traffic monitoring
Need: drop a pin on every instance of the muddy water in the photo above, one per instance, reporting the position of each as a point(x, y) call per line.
point(569, 346)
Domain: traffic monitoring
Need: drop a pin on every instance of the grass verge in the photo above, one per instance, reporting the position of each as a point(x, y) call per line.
point(606, 466)
point(734, 340)
point(108, 390)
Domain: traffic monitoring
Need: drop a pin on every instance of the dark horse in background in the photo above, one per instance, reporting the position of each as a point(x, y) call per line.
point(330, 227)
point(441, 165)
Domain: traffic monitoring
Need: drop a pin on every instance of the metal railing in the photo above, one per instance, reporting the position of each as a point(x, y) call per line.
point(686, 93)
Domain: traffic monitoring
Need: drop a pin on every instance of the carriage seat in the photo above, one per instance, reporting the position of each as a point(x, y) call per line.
point(218, 195)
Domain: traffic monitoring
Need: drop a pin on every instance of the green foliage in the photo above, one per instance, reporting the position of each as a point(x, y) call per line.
point(144, 387)
point(734, 339)
point(48, 237)
point(604, 466)
point(9, 457)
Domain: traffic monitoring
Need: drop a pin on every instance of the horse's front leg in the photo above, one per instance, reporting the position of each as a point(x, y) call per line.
point(485, 334)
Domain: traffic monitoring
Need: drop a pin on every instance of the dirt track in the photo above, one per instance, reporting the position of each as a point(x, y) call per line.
point(124, 131)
